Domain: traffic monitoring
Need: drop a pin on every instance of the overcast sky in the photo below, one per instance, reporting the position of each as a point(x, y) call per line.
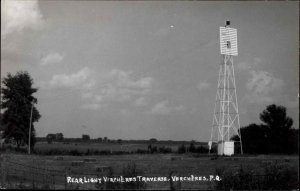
point(143, 69)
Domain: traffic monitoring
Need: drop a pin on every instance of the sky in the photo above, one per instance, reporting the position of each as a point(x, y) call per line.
point(148, 69)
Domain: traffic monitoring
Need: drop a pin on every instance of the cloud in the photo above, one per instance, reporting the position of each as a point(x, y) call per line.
point(19, 15)
point(125, 80)
point(261, 86)
point(293, 103)
point(52, 58)
point(42, 84)
point(102, 89)
point(140, 102)
point(163, 31)
point(243, 66)
point(263, 82)
point(118, 86)
point(93, 97)
point(163, 108)
point(203, 85)
point(248, 65)
point(93, 106)
point(126, 112)
point(95, 101)
point(80, 79)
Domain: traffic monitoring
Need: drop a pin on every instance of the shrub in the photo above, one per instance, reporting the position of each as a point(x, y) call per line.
point(165, 150)
point(181, 149)
point(75, 152)
point(104, 152)
point(192, 147)
point(141, 151)
point(201, 149)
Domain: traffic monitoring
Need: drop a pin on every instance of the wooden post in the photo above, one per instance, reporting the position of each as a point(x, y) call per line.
point(29, 148)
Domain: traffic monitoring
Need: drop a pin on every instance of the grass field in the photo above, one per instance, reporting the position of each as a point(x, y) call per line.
point(92, 146)
point(83, 147)
point(151, 165)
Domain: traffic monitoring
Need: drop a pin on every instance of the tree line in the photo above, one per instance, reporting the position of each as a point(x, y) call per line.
point(274, 135)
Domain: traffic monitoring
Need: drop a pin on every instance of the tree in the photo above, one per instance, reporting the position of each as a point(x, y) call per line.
point(254, 138)
point(50, 138)
point(85, 137)
point(152, 140)
point(275, 135)
point(293, 142)
point(181, 149)
point(119, 141)
point(192, 147)
point(17, 101)
point(278, 125)
point(59, 136)
point(105, 139)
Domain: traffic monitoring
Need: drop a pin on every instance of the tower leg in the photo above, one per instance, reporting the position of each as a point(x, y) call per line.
point(226, 116)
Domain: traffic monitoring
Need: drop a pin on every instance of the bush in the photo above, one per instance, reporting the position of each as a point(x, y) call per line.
point(192, 147)
point(201, 149)
point(141, 151)
point(50, 152)
point(181, 149)
point(104, 152)
point(75, 152)
point(14, 149)
point(165, 150)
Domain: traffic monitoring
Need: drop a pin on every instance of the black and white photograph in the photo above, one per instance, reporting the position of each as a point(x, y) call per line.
point(149, 95)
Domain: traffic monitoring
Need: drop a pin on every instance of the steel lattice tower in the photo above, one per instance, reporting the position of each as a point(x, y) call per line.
point(226, 122)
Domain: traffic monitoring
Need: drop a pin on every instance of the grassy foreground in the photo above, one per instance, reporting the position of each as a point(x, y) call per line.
point(158, 165)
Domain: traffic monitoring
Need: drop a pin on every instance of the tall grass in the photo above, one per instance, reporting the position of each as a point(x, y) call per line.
point(273, 176)
point(128, 171)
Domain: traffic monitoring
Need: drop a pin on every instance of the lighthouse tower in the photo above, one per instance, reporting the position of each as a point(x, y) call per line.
point(226, 122)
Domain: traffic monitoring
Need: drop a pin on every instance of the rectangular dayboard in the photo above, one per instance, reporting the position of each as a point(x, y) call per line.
point(228, 41)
